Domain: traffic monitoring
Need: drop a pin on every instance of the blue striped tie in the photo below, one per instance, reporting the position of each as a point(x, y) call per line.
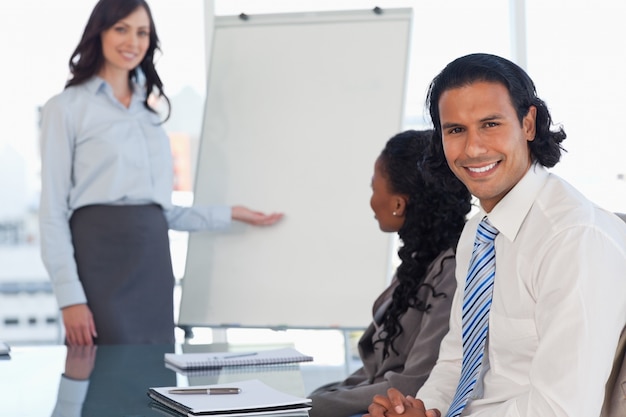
point(476, 305)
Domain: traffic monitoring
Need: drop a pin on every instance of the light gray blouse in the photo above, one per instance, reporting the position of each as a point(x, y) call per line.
point(97, 151)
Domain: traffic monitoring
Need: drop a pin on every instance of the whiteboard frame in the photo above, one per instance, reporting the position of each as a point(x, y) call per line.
point(223, 177)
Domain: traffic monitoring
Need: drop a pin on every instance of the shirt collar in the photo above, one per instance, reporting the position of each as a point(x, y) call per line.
point(96, 85)
point(509, 214)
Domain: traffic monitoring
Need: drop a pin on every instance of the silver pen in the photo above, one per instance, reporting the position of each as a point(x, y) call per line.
point(209, 391)
point(237, 355)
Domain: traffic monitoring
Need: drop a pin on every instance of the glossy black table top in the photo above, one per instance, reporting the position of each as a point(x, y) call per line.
point(116, 379)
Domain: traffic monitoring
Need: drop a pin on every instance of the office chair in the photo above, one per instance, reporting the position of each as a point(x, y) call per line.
point(615, 394)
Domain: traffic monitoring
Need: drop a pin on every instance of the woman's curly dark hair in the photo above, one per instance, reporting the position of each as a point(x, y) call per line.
point(436, 211)
point(87, 59)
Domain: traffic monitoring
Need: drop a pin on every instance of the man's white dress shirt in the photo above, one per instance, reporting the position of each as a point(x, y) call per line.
point(559, 305)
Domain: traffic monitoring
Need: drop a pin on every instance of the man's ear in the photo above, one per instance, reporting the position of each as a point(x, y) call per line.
point(529, 123)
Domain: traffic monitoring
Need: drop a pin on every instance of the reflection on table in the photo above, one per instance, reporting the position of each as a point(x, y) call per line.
point(113, 381)
point(110, 386)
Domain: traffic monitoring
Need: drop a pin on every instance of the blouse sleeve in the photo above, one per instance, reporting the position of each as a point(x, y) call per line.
point(70, 399)
point(196, 218)
point(57, 151)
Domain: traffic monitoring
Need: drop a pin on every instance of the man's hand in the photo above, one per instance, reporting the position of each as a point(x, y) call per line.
point(397, 404)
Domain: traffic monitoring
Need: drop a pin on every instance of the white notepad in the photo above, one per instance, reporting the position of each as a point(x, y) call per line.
point(189, 361)
point(255, 398)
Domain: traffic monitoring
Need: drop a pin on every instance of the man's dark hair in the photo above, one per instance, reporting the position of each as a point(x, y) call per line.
point(546, 147)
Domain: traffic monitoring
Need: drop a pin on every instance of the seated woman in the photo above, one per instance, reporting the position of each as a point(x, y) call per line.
point(415, 194)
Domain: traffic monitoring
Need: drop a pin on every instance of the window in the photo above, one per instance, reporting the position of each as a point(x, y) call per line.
point(574, 54)
point(577, 60)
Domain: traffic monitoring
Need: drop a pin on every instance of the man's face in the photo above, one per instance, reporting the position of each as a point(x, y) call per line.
point(484, 144)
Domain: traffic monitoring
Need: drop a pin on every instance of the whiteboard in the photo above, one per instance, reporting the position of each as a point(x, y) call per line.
point(298, 108)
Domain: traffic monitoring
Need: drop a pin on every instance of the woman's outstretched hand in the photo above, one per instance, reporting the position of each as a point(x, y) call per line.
point(254, 218)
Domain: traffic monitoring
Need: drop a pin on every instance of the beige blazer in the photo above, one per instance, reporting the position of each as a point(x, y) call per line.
point(417, 349)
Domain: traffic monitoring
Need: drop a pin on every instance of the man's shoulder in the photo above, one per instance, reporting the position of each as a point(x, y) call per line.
point(565, 206)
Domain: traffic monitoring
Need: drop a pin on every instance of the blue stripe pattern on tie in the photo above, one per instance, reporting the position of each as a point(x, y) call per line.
point(476, 306)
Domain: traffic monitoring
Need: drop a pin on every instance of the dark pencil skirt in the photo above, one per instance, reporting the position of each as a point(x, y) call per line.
point(125, 268)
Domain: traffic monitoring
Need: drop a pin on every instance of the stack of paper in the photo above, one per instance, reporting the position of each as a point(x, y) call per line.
point(254, 397)
point(188, 361)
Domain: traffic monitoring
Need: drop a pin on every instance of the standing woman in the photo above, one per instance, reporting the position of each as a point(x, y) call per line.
point(107, 178)
point(415, 194)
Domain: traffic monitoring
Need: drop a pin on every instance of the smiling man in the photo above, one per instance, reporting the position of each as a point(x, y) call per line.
point(555, 306)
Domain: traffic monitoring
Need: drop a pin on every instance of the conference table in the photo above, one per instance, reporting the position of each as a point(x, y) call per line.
point(114, 379)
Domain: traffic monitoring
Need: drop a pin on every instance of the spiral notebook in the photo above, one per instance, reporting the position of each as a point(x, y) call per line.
point(254, 398)
point(211, 360)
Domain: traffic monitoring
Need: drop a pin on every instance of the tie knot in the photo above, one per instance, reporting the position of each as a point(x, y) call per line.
point(486, 231)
